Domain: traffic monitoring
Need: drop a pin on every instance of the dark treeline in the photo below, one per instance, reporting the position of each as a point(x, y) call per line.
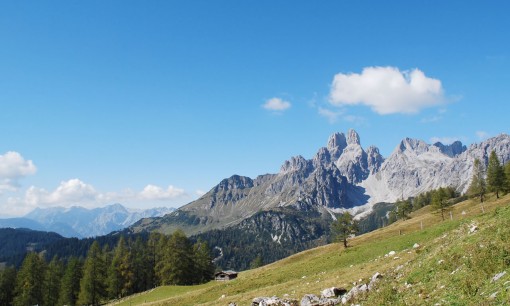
point(15, 242)
point(132, 265)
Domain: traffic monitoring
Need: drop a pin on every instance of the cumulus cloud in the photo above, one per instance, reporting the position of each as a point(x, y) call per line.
point(387, 90)
point(76, 192)
point(71, 192)
point(13, 167)
point(152, 192)
point(276, 105)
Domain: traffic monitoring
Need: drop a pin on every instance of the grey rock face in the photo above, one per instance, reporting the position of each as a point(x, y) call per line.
point(415, 167)
point(343, 175)
point(374, 159)
point(336, 145)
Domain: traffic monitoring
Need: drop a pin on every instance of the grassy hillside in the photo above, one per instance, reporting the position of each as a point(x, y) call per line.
point(451, 266)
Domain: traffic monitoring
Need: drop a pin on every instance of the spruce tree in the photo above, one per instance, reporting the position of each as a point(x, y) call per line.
point(140, 265)
point(478, 186)
point(403, 209)
point(30, 281)
point(53, 279)
point(161, 255)
point(120, 274)
point(507, 177)
point(93, 284)
point(179, 260)
point(7, 285)
point(203, 266)
point(344, 227)
point(495, 174)
point(70, 285)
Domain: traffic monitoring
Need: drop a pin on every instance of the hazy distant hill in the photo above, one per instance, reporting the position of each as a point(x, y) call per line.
point(82, 222)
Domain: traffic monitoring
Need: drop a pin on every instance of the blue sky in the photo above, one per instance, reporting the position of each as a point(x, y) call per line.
point(150, 103)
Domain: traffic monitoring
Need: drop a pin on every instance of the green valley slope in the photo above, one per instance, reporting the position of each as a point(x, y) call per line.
point(454, 264)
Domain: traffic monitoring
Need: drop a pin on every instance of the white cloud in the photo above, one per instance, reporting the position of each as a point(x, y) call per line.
point(276, 104)
point(76, 192)
point(152, 192)
point(199, 192)
point(387, 90)
point(482, 135)
point(13, 167)
point(71, 192)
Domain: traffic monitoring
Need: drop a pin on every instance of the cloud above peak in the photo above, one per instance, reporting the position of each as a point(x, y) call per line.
point(13, 167)
point(76, 192)
point(387, 90)
point(276, 105)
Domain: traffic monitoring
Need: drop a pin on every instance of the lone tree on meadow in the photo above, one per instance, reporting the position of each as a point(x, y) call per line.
point(478, 187)
point(440, 201)
point(495, 174)
point(344, 227)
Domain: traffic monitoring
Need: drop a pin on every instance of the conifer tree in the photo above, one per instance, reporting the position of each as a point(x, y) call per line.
point(179, 260)
point(93, 284)
point(203, 266)
point(403, 209)
point(495, 174)
point(52, 282)
point(439, 201)
point(478, 186)
point(7, 285)
point(70, 285)
point(161, 260)
point(344, 227)
point(507, 177)
point(120, 274)
point(30, 281)
point(142, 267)
point(257, 262)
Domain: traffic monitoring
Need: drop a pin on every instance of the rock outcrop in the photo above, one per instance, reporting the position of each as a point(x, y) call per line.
point(340, 176)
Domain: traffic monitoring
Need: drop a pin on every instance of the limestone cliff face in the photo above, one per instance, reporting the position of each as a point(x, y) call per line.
point(341, 175)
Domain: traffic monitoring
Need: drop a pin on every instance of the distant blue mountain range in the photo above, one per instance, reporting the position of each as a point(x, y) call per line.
point(81, 222)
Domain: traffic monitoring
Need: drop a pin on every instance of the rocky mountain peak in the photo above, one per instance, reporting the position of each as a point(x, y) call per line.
point(413, 145)
point(336, 144)
point(374, 159)
point(235, 182)
point(352, 137)
point(323, 157)
point(296, 163)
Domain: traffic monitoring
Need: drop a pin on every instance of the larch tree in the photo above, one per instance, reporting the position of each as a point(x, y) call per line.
point(93, 283)
point(70, 285)
point(30, 281)
point(203, 266)
point(344, 227)
point(440, 201)
point(495, 174)
point(179, 259)
point(52, 281)
point(120, 274)
point(478, 186)
point(507, 177)
point(7, 285)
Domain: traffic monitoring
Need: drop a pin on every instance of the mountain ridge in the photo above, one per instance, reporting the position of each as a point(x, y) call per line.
point(80, 222)
point(340, 176)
